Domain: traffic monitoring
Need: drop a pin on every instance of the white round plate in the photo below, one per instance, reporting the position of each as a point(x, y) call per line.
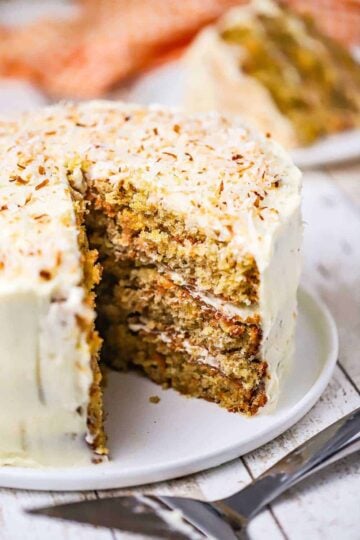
point(179, 435)
point(165, 85)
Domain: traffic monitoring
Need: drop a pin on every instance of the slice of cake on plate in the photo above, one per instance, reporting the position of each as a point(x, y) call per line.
point(276, 70)
point(196, 221)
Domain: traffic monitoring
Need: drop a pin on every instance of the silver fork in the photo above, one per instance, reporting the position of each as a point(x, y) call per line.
point(179, 518)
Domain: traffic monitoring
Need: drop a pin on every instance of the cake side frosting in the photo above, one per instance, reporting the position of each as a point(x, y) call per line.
point(45, 354)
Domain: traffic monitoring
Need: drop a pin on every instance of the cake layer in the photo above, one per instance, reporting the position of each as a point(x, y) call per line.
point(121, 352)
point(142, 231)
point(149, 300)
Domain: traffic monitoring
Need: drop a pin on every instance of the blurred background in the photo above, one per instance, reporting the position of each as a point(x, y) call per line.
point(134, 49)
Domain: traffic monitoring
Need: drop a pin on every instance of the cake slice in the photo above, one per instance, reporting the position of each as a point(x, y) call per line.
point(274, 68)
point(50, 396)
point(195, 222)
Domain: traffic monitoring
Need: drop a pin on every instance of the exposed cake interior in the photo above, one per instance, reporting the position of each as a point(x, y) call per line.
point(149, 321)
point(191, 339)
point(193, 233)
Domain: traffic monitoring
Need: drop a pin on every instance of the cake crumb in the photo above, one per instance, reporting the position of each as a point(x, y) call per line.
point(154, 399)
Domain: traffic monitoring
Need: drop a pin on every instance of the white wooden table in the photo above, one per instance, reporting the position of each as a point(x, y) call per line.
point(325, 506)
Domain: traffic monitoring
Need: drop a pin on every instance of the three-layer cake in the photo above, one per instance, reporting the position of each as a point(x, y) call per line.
point(196, 224)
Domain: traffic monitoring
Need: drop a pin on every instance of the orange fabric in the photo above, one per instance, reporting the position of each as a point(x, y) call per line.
point(110, 40)
point(113, 39)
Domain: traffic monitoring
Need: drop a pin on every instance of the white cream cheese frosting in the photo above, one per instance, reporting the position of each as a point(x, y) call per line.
point(45, 372)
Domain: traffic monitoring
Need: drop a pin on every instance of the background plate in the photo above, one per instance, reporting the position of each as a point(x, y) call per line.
point(165, 85)
point(179, 436)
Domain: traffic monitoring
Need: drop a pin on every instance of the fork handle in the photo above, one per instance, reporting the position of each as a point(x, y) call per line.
point(295, 466)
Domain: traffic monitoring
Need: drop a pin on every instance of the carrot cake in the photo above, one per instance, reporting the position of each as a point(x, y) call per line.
point(277, 70)
point(180, 234)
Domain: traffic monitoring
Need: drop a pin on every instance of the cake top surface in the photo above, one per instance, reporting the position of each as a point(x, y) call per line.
point(224, 179)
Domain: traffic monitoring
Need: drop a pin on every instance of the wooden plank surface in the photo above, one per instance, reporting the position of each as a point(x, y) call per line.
point(326, 505)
